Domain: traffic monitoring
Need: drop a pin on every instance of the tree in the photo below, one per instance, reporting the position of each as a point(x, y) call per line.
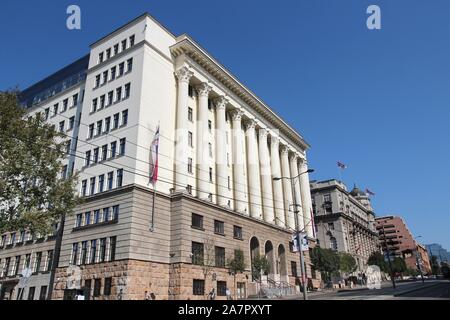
point(398, 265)
point(260, 266)
point(435, 269)
point(326, 261)
point(377, 259)
point(33, 194)
point(347, 263)
point(236, 265)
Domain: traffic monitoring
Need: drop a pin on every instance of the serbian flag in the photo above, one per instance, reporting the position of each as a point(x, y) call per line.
point(153, 176)
point(341, 165)
point(370, 192)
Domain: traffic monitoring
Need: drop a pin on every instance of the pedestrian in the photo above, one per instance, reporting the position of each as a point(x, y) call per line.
point(212, 294)
point(228, 293)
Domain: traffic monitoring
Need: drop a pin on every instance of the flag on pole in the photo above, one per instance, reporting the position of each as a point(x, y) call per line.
point(370, 192)
point(341, 165)
point(153, 173)
point(312, 223)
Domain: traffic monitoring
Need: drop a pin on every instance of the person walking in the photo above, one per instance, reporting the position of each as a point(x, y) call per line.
point(228, 293)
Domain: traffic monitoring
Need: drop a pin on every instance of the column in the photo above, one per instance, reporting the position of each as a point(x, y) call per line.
point(296, 183)
point(238, 162)
point(202, 156)
point(181, 132)
point(287, 187)
point(266, 177)
point(221, 154)
point(277, 185)
point(306, 198)
point(254, 183)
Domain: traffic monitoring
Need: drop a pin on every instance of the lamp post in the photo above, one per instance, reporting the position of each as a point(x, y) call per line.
point(299, 233)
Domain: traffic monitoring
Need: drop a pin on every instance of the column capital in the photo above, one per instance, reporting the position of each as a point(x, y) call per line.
point(293, 157)
point(262, 133)
point(203, 89)
point(184, 74)
point(236, 114)
point(250, 124)
point(284, 150)
point(274, 140)
point(221, 102)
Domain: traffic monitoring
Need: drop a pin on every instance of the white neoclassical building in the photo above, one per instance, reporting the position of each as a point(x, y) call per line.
point(220, 147)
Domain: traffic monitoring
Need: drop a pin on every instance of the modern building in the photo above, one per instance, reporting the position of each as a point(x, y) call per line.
point(344, 221)
point(441, 254)
point(220, 146)
point(398, 241)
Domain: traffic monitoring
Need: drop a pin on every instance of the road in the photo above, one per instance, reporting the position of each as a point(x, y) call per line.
point(431, 289)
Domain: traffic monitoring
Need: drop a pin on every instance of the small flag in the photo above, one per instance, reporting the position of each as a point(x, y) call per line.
point(312, 223)
point(370, 192)
point(153, 173)
point(341, 165)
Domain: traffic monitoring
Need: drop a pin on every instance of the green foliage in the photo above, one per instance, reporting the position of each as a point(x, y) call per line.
point(237, 264)
point(435, 269)
point(411, 272)
point(260, 266)
point(347, 262)
point(377, 259)
point(398, 265)
point(326, 261)
point(32, 194)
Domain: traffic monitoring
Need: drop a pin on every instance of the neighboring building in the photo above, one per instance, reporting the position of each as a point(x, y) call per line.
point(439, 252)
point(344, 220)
point(396, 237)
point(219, 148)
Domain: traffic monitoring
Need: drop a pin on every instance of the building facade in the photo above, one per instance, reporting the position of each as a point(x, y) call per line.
point(220, 147)
point(398, 241)
point(344, 221)
point(435, 249)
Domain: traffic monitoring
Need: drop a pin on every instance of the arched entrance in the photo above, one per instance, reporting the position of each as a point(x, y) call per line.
point(282, 263)
point(254, 252)
point(268, 251)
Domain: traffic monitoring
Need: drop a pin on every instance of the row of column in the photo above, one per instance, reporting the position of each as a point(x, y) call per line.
point(269, 200)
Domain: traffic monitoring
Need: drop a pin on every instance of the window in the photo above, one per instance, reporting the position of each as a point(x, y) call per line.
point(197, 253)
point(95, 158)
point(132, 40)
point(189, 189)
point(101, 182)
point(105, 214)
point(49, 261)
point(5, 271)
point(104, 152)
point(113, 73)
point(107, 124)
point(105, 76)
point(331, 226)
point(102, 253)
point(15, 270)
point(115, 212)
point(87, 158)
point(107, 288)
point(112, 245)
point(124, 44)
point(92, 186)
point(108, 53)
point(198, 287)
point(121, 69)
point(91, 131)
point(78, 220)
point(83, 252)
point(83, 187)
point(31, 292)
point(102, 101)
point(228, 181)
point(100, 57)
point(237, 232)
point(197, 221)
point(93, 251)
point(55, 109)
point(190, 140)
point(209, 125)
point(75, 99)
point(333, 244)
point(221, 288)
point(61, 126)
point(110, 98)
point(129, 65)
point(71, 122)
point(116, 121)
point(110, 180)
point(119, 177)
point(124, 117)
point(294, 268)
point(113, 149)
point(219, 256)
point(219, 227)
point(43, 293)
point(127, 90)
point(327, 197)
point(97, 216)
point(47, 113)
point(116, 48)
point(118, 94)
point(37, 262)
point(210, 174)
point(97, 285)
point(87, 218)
point(99, 127)
point(97, 81)
point(210, 149)
point(190, 114)
point(190, 91)
point(122, 146)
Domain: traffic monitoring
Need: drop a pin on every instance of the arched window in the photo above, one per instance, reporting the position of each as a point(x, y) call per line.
point(333, 244)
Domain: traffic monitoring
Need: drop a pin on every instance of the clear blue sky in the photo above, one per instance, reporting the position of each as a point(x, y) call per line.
point(378, 101)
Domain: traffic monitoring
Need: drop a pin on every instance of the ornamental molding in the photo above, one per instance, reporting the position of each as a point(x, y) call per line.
point(184, 74)
point(203, 89)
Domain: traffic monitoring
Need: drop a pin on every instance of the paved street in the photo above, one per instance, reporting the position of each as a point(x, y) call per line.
point(431, 289)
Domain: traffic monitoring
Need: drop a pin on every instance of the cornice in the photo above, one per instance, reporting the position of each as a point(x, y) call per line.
point(186, 46)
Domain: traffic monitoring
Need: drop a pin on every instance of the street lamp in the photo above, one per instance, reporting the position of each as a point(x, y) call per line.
point(297, 227)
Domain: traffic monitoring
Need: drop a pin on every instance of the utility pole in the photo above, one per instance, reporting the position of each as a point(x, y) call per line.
point(389, 258)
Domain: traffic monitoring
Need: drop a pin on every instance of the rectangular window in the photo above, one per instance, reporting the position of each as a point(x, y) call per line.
point(110, 98)
point(113, 73)
point(95, 158)
point(102, 101)
point(198, 287)
point(118, 94)
point(49, 260)
point(100, 57)
point(197, 221)
point(105, 76)
point(87, 218)
point(37, 262)
point(229, 184)
point(190, 140)
point(94, 105)
point(110, 180)
point(294, 268)
point(71, 122)
point(104, 152)
point(119, 177)
point(78, 220)
point(210, 174)
point(101, 182)
point(124, 117)
point(91, 131)
point(209, 125)
point(83, 187)
point(92, 186)
point(122, 146)
point(115, 212)
point(121, 69)
point(75, 99)
point(132, 40)
point(107, 124)
point(65, 103)
point(55, 110)
point(31, 292)
point(113, 149)
point(108, 53)
point(93, 251)
point(5, 270)
point(116, 121)
point(189, 189)
point(84, 252)
point(219, 256)
point(97, 216)
point(331, 226)
point(61, 126)
point(327, 198)
point(190, 114)
point(197, 253)
point(221, 288)
point(15, 270)
point(47, 113)
point(97, 81)
point(112, 251)
point(210, 149)
point(124, 44)
point(127, 90)
point(87, 158)
point(107, 287)
point(105, 214)
point(237, 232)
point(190, 91)
point(116, 48)
point(43, 293)
point(102, 253)
point(97, 286)
point(129, 65)
point(219, 227)
point(190, 165)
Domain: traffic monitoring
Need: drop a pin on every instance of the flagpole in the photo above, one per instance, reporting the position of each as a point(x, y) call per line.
point(153, 209)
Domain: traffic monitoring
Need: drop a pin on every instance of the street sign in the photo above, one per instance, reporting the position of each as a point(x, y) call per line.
point(295, 243)
point(304, 242)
